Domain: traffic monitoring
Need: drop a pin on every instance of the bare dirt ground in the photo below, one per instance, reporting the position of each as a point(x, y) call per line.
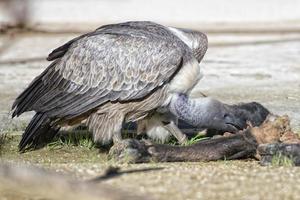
point(199, 180)
point(237, 68)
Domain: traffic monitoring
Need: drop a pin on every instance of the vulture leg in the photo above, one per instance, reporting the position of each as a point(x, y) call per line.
point(106, 127)
point(176, 132)
point(160, 126)
point(130, 151)
point(117, 131)
point(153, 126)
point(117, 136)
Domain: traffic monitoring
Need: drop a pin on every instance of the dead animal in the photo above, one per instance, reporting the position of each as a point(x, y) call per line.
point(254, 142)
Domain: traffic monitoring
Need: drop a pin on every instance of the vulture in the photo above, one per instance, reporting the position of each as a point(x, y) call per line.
point(120, 73)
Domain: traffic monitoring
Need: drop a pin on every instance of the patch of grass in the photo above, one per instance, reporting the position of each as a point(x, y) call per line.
point(2, 138)
point(8, 125)
point(196, 139)
point(281, 160)
point(61, 153)
point(2, 141)
point(200, 136)
point(80, 138)
point(225, 161)
point(5, 140)
point(171, 141)
point(18, 126)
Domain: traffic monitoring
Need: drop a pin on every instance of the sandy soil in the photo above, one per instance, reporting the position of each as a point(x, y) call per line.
point(263, 68)
point(207, 180)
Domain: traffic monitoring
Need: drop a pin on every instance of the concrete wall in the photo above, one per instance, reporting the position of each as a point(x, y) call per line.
point(81, 14)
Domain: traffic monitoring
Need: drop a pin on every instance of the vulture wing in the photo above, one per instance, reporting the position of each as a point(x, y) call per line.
point(121, 62)
point(105, 65)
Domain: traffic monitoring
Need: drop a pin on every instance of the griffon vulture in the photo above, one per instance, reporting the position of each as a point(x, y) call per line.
point(121, 73)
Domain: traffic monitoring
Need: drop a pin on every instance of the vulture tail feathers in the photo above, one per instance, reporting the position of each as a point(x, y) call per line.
point(30, 95)
point(26, 99)
point(38, 133)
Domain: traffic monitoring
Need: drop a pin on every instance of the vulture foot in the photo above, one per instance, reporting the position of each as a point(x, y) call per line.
point(130, 151)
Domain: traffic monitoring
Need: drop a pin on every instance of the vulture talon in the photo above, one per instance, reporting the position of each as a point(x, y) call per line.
point(129, 151)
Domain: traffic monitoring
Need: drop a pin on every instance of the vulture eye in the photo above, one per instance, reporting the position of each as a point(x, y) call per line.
point(165, 122)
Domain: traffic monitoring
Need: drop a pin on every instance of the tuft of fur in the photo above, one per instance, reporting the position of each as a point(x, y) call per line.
point(253, 112)
point(153, 126)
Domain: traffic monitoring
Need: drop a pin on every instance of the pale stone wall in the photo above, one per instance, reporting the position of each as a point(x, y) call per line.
point(212, 13)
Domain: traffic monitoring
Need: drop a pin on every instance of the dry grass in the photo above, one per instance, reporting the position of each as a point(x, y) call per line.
point(2, 141)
